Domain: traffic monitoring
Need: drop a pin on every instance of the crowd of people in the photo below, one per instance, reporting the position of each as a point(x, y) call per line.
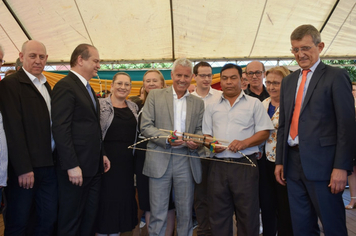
point(283, 149)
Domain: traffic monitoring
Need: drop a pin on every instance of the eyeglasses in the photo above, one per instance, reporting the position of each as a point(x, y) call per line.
point(302, 49)
point(275, 84)
point(257, 73)
point(205, 75)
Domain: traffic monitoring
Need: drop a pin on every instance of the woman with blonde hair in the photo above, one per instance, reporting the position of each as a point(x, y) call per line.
point(273, 196)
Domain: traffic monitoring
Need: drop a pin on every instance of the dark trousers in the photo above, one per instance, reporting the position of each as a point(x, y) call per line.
point(77, 205)
point(273, 201)
point(201, 201)
point(233, 187)
point(312, 199)
point(37, 206)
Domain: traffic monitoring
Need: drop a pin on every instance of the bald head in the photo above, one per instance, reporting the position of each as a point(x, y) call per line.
point(30, 43)
point(255, 72)
point(34, 56)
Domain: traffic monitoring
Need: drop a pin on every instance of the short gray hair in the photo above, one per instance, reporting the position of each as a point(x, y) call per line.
point(304, 30)
point(183, 62)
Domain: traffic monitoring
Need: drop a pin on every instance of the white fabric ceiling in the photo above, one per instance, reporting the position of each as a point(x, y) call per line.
point(162, 30)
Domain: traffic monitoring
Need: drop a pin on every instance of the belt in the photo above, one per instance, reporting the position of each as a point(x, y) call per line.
point(295, 148)
point(239, 159)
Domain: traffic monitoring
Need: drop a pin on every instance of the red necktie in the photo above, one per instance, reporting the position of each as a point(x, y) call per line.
point(297, 107)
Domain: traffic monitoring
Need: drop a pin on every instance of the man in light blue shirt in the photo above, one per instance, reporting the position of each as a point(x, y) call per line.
point(233, 186)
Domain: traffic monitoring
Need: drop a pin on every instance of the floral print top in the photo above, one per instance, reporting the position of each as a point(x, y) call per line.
point(271, 142)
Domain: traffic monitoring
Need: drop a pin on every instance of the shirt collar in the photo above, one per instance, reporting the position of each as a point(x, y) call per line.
point(313, 67)
point(84, 81)
point(211, 92)
point(176, 96)
point(41, 78)
point(242, 94)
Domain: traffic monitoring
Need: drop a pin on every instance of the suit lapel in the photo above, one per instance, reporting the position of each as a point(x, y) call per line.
point(48, 87)
point(189, 112)
point(85, 91)
point(23, 78)
point(318, 73)
point(291, 88)
point(169, 100)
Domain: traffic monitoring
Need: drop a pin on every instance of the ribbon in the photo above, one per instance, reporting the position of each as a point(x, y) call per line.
point(133, 146)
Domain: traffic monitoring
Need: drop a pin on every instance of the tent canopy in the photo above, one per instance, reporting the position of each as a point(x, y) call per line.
point(163, 30)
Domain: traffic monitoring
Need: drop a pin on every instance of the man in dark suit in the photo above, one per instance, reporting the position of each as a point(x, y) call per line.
point(76, 130)
point(315, 137)
point(25, 105)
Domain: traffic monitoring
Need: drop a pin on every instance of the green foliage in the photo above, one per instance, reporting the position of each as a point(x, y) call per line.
point(349, 65)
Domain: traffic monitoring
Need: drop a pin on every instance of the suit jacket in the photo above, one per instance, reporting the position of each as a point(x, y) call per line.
point(158, 114)
point(27, 123)
point(76, 127)
point(326, 122)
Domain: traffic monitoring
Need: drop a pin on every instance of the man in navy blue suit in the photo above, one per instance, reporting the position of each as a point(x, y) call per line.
point(77, 132)
point(315, 137)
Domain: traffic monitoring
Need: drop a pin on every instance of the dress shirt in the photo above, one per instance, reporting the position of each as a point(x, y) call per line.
point(294, 142)
point(180, 112)
point(212, 96)
point(81, 78)
point(40, 85)
point(242, 120)
point(3, 155)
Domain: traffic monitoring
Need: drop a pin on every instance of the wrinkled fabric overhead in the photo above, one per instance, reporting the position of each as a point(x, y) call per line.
point(162, 30)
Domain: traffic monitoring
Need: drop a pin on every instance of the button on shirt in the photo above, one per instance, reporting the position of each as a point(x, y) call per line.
point(294, 142)
point(180, 112)
point(242, 120)
point(40, 85)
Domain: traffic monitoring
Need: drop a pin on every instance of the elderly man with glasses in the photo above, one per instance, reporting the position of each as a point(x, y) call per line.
point(255, 72)
point(315, 139)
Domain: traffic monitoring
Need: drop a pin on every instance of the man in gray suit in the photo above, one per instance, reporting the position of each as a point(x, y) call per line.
point(172, 108)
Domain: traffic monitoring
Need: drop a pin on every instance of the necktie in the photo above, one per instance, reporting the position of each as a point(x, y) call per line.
point(297, 107)
point(91, 94)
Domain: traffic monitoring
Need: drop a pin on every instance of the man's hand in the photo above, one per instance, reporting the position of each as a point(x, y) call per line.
point(237, 145)
point(106, 164)
point(338, 180)
point(177, 142)
point(219, 149)
point(278, 172)
point(192, 145)
point(75, 176)
point(27, 180)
